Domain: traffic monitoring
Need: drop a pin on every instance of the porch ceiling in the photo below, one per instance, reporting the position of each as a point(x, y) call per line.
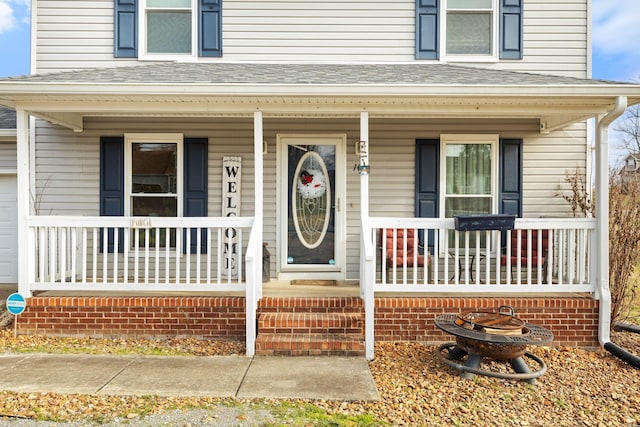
point(312, 90)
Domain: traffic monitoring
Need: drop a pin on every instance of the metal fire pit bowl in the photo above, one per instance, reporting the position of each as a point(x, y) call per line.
point(477, 344)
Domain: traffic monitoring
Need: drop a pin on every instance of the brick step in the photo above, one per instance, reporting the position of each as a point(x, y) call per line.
point(311, 323)
point(311, 305)
point(309, 345)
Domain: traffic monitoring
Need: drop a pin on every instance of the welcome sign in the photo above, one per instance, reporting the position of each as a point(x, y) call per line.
point(231, 173)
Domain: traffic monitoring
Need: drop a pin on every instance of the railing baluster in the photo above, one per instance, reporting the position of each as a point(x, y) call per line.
point(582, 251)
point(561, 256)
point(116, 251)
point(146, 254)
point(95, 255)
point(167, 254)
point(187, 258)
point(125, 255)
point(136, 255)
point(219, 257)
point(53, 259)
point(572, 257)
point(63, 255)
point(73, 254)
point(239, 256)
point(42, 251)
point(105, 252)
point(208, 255)
point(178, 251)
point(157, 256)
point(198, 253)
point(85, 248)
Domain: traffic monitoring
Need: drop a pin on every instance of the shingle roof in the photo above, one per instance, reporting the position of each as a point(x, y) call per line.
point(303, 74)
point(7, 118)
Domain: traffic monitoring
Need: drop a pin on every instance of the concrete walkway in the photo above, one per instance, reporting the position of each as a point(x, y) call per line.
point(330, 378)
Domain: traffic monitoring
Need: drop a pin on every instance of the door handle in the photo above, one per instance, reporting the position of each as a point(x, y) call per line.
point(337, 205)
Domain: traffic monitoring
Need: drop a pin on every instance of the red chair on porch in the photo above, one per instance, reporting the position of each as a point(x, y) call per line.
point(522, 258)
point(405, 249)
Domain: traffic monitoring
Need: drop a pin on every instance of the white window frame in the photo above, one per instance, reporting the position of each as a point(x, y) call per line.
point(162, 138)
point(445, 139)
point(142, 36)
point(495, 36)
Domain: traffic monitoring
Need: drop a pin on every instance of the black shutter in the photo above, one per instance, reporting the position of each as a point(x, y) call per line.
point(511, 29)
point(112, 185)
point(510, 194)
point(427, 181)
point(196, 185)
point(427, 29)
point(125, 34)
point(209, 28)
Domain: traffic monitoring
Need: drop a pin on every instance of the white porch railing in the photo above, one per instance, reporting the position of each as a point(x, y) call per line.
point(459, 263)
point(477, 261)
point(141, 254)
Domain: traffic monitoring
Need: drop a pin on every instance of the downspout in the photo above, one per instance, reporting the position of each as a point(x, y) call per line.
point(602, 218)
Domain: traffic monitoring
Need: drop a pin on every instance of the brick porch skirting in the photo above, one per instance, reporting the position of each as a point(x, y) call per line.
point(573, 320)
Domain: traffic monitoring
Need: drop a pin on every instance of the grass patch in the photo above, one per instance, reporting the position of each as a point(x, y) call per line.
point(290, 413)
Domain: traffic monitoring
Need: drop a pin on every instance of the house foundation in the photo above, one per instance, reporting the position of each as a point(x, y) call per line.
point(572, 319)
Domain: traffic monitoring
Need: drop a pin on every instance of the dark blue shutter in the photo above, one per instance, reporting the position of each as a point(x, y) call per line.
point(112, 184)
point(511, 29)
point(510, 197)
point(427, 181)
point(209, 28)
point(125, 28)
point(427, 29)
point(195, 185)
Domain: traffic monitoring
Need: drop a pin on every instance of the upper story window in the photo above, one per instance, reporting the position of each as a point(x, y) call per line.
point(469, 30)
point(470, 27)
point(167, 29)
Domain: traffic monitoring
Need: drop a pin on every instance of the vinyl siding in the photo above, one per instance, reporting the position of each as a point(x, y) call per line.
point(8, 161)
point(79, 34)
point(68, 164)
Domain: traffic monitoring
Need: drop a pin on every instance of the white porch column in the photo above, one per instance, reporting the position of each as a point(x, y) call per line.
point(602, 217)
point(26, 256)
point(366, 278)
point(258, 141)
point(254, 284)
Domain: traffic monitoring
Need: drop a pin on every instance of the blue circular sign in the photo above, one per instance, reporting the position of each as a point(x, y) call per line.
point(16, 303)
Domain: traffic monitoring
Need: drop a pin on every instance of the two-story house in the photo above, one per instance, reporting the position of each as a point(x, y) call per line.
point(166, 140)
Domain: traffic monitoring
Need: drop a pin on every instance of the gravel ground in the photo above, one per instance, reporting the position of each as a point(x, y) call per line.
point(580, 388)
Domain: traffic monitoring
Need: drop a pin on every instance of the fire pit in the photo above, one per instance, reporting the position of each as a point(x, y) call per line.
point(498, 335)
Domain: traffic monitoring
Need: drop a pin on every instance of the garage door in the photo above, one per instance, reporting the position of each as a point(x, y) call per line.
point(8, 230)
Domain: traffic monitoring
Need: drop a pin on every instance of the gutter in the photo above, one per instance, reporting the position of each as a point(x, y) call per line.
point(602, 214)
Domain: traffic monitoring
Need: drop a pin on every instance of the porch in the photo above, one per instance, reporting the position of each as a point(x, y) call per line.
point(113, 276)
point(408, 106)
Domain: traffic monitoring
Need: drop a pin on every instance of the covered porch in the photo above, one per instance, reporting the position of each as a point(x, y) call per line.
point(220, 254)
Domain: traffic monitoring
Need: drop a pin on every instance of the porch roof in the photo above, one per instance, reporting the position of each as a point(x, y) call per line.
point(7, 119)
point(276, 89)
point(7, 124)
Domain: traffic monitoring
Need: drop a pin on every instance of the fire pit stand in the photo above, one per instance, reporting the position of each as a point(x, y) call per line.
point(478, 344)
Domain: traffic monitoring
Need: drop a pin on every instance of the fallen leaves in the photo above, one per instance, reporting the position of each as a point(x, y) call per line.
point(589, 388)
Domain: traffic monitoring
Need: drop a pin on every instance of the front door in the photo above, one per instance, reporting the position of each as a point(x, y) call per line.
point(311, 184)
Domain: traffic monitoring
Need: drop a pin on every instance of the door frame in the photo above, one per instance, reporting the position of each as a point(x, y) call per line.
point(291, 272)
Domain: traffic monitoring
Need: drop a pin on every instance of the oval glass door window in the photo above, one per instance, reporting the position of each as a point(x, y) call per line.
point(311, 199)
